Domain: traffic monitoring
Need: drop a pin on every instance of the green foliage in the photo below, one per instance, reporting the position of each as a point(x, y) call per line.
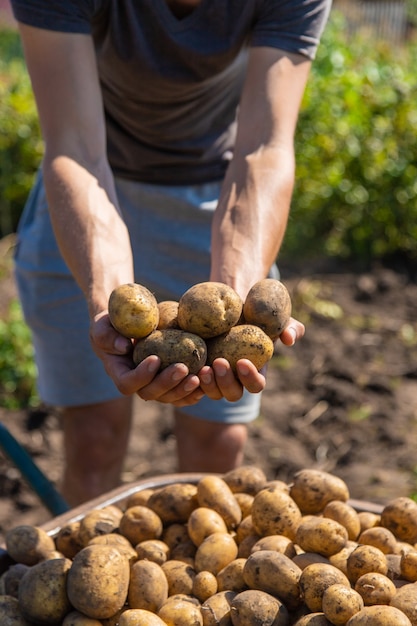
point(356, 191)
point(20, 143)
point(17, 368)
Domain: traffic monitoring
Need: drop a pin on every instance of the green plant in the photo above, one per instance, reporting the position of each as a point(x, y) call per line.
point(17, 367)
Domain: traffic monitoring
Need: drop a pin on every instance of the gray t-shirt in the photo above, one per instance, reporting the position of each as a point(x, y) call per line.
point(171, 86)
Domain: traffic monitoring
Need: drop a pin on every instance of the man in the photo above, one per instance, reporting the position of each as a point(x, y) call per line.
point(169, 160)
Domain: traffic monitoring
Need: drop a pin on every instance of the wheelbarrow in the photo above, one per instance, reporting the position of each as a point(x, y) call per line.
point(36, 479)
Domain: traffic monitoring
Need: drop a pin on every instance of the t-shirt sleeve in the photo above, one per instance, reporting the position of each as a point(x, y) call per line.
point(292, 26)
point(70, 16)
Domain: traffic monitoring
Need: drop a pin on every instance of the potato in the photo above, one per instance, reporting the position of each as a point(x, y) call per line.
point(184, 551)
point(203, 522)
point(174, 503)
point(379, 537)
point(139, 497)
point(133, 310)
point(175, 533)
point(364, 559)
point(67, 539)
point(209, 309)
point(246, 479)
point(339, 603)
point(172, 345)
point(119, 542)
point(140, 617)
point(154, 550)
point(75, 618)
point(98, 581)
point(322, 535)
point(312, 490)
point(148, 586)
point(274, 512)
point(368, 519)
point(303, 559)
point(379, 616)
point(216, 609)
point(315, 579)
point(274, 573)
point(98, 522)
point(10, 614)
point(375, 588)
point(28, 544)
point(231, 576)
point(400, 517)
point(408, 566)
point(339, 559)
point(215, 552)
point(313, 619)
point(180, 577)
point(405, 600)
point(268, 305)
point(168, 314)
point(213, 492)
point(12, 577)
point(204, 585)
point(245, 341)
point(258, 607)
point(279, 543)
point(245, 529)
point(181, 613)
point(139, 523)
point(42, 596)
point(346, 515)
point(246, 545)
point(245, 501)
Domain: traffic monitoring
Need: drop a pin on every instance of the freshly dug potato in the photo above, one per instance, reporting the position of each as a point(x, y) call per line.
point(181, 613)
point(274, 512)
point(365, 559)
point(98, 581)
point(168, 314)
point(400, 517)
point(346, 515)
point(247, 479)
point(139, 523)
point(139, 617)
point(204, 585)
point(245, 546)
point(279, 543)
point(245, 501)
point(258, 607)
point(154, 550)
point(274, 573)
point(209, 309)
point(244, 341)
point(119, 542)
point(215, 552)
point(67, 539)
point(321, 534)
point(313, 619)
point(268, 305)
point(148, 586)
point(175, 533)
point(172, 345)
point(315, 579)
point(75, 618)
point(405, 600)
point(180, 577)
point(216, 609)
point(28, 544)
point(203, 522)
point(98, 522)
point(368, 519)
point(231, 576)
point(43, 597)
point(245, 529)
point(139, 497)
point(312, 490)
point(185, 551)
point(375, 588)
point(303, 559)
point(12, 577)
point(174, 504)
point(213, 492)
point(339, 559)
point(340, 603)
point(408, 566)
point(10, 614)
point(133, 310)
point(379, 537)
point(379, 616)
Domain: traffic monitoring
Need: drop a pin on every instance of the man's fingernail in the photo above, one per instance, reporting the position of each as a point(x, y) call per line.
point(293, 335)
point(243, 370)
point(206, 379)
point(121, 345)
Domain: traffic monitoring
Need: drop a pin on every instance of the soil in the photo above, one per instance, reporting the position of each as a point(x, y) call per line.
point(344, 399)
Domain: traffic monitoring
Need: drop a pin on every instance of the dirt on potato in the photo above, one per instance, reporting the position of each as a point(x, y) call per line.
point(344, 399)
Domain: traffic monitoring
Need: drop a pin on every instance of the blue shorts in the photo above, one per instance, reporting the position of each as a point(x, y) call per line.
point(169, 228)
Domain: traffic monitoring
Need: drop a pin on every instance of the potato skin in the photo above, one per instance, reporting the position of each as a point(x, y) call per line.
point(346, 515)
point(246, 479)
point(400, 517)
point(313, 489)
point(213, 492)
point(315, 579)
point(322, 535)
point(140, 523)
point(405, 600)
point(132, 617)
point(244, 341)
point(340, 603)
point(75, 618)
point(28, 544)
point(215, 552)
point(174, 504)
point(168, 314)
point(148, 586)
point(204, 521)
point(258, 607)
point(274, 512)
point(172, 346)
point(375, 588)
point(181, 613)
point(379, 616)
point(133, 310)
point(98, 581)
point(10, 614)
point(268, 305)
point(209, 309)
point(42, 595)
point(274, 573)
point(365, 559)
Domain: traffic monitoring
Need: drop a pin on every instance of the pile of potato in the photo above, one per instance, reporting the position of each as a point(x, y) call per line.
point(210, 320)
point(227, 550)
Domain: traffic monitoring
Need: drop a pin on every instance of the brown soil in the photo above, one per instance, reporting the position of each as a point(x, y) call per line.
point(344, 399)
